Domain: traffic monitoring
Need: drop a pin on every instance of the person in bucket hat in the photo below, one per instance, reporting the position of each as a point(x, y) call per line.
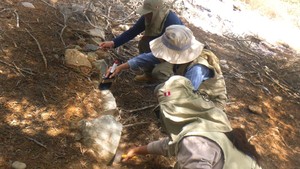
point(155, 18)
point(188, 57)
point(199, 133)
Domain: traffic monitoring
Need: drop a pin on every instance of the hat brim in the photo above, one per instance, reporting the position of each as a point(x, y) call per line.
point(159, 50)
point(140, 10)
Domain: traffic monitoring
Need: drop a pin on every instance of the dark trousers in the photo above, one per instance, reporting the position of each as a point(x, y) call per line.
point(143, 45)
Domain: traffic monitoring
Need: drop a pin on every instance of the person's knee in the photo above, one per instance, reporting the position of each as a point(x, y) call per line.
point(162, 72)
point(160, 76)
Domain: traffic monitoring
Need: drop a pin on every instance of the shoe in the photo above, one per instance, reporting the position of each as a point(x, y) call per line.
point(143, 78)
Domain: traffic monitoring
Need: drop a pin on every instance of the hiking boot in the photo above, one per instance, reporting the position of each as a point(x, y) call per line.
point(143, 78)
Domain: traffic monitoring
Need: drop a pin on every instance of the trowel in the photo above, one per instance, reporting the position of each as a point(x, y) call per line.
point(90, 48)
point(119, 156)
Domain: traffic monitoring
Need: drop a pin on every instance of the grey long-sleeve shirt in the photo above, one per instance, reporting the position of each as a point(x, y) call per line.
point(195, 152)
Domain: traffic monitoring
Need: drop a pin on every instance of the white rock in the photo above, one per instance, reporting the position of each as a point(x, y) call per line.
point(102, 135)
point(124, 27)
point(18, 165)
point(28, 5)
point(109, 102)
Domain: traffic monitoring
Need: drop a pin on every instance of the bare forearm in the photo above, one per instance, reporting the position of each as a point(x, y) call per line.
point(123, 66)
point(141, 150)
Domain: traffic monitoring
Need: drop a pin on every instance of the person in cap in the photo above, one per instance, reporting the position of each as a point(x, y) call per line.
point(188, 58)
point(155, 18)
point(199, 133)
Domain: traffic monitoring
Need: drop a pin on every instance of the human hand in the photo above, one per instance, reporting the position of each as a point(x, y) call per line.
point(106, 45)
point(118, 69)
point(131, 154)
point(110, 74)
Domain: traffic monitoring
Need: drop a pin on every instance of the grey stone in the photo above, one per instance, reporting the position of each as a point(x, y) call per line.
point(102, 135)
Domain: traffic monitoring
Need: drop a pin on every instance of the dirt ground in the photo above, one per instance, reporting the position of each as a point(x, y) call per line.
point(40, 103)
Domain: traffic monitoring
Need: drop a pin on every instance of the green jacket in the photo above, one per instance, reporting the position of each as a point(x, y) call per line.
point(214, 88)
point(185, 113)
point(155, 26)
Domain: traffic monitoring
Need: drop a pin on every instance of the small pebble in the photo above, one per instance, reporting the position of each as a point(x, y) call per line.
point(18, 165)
point(278, 99)
point(255, 109)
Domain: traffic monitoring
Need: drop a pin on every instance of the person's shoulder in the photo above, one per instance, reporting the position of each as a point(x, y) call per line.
point(172, 13)
point(172, 16)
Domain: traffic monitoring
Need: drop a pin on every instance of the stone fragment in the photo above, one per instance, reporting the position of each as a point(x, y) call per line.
point(18, 165)
point(78, 61)
point(278, 99)
point(223, 62)
point(97, 32)
point(255, 109)
point(28, 5)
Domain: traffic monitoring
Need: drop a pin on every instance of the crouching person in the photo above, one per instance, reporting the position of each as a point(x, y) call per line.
point(197, 131)
point(178, 48)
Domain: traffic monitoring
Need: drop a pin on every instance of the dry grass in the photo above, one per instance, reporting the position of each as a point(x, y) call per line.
point(277, 9)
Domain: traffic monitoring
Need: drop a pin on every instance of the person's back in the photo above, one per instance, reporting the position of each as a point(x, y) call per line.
point(213, 88)
point(197, 129)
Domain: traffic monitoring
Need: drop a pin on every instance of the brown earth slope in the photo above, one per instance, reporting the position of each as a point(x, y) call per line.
point(40, 103)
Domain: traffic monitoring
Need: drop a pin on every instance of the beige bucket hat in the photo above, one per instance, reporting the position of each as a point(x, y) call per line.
point(150, 6)
point(177, 45)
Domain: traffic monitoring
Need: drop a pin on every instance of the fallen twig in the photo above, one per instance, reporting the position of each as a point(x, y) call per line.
point(135, 124)
point(48, 4)
point(39, 46)
point(247, 53)
point(139, 109)
point(18, 18)
point(283, 140)
point(44, 97)
point(282, 86)
point(108, 11)
point(254, 84)
point(37, 142)
point(90, 22)
point(17, 68)
point(250, 138)
point(61, 35)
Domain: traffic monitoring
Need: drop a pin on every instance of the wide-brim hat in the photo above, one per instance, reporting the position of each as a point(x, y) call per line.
point(177, 45)
point(140, 10)
point(150, 6)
